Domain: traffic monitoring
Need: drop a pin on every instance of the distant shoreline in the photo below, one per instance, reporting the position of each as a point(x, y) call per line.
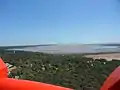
point(68, 49)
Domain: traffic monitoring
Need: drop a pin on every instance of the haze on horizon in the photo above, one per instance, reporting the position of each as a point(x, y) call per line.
point(25, 22)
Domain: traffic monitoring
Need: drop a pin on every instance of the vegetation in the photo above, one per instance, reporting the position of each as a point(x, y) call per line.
point(72, 71)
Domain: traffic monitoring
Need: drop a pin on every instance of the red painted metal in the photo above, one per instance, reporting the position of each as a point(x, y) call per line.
point(3, 69)
point(113, 81)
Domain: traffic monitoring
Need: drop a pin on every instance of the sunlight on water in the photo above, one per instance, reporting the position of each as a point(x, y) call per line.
point(71, 49)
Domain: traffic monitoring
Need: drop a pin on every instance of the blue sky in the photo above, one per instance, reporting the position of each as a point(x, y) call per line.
point(59, 21)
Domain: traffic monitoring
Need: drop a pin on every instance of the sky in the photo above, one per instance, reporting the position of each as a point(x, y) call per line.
point(25, 22)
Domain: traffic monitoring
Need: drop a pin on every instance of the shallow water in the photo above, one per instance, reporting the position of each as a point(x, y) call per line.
point(71, 49)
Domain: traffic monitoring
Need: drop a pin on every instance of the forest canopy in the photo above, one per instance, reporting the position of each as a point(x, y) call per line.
point(72, 71)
